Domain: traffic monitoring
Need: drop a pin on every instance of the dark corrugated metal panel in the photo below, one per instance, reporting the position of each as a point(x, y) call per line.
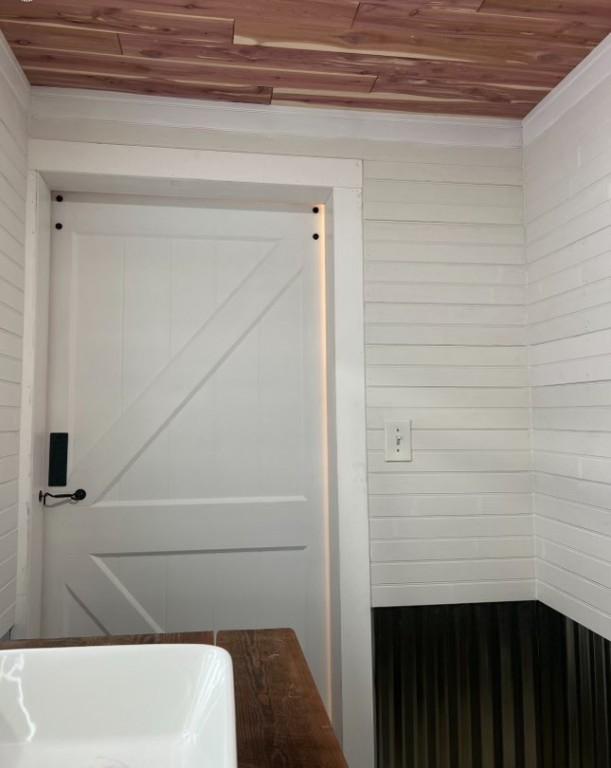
point(574, 685)
point(496, 685)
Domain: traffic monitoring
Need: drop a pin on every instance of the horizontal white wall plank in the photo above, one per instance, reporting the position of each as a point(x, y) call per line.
point(469, 335)
point(577, 586)
point(458, 440)
point(435, 505)
point(576, 255)
point(439, 293)
point(577, 540)
point(464, 274)
point(458, 174)
point(14, 98)
point(458, 460)
point(391, 211)
point(595, 418)
point(441, 232)
point(444, 550)
point(453, 194)
point(455, 571)
point(414, 251)
point(449, 397)
point(446, 355)
point(450, 314)
point(575, 324)
point(452, 418)
point(498, 527)
point(571, 489)
point(442, 376)
point(450, 482)
point(453, 592)
point(583, 516)
point(582, 443)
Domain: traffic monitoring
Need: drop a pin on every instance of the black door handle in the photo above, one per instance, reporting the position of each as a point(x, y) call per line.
point(77, 495)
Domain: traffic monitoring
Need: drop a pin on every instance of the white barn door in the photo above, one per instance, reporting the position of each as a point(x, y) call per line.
point(186, 362)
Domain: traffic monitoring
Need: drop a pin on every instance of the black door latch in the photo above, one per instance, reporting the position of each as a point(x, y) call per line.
point(78, 495)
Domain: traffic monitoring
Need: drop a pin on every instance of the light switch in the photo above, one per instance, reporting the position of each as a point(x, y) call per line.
point(398, 440)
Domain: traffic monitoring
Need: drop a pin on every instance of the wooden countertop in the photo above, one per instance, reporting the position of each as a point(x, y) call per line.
point(281, 720)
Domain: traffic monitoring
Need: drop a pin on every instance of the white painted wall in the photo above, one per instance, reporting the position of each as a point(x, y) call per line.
point(567, 165)
point(445, 320)
point(14, 97)
point(445, 348)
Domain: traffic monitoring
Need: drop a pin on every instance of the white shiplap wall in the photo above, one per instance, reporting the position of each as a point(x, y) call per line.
point(14, 95)
point(445, 329)
point(568, 213)
point(445, 283)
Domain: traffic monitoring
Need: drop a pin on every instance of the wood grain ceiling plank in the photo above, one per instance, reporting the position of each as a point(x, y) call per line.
point(403, 104)
point(482, 25)
point(397, 42)
point(469, 91)
point(212, 91)
point(584, 10)
point(393, 70)
point(393, 76)
point(149, 46)
point(464, 5)
point(327, 13)
point(189, 71)
point(94, 16)
point(60, 37)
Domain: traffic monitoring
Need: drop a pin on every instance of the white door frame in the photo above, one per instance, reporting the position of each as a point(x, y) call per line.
point(336, 183)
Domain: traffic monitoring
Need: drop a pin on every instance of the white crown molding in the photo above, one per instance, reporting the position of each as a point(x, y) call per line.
point(13, 74)
point(586, 76)
point(320, 123)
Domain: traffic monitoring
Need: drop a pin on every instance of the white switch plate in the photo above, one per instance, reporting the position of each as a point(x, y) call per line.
point(398, 440)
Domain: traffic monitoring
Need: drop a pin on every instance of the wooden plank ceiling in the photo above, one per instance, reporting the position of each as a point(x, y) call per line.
point(468, 57)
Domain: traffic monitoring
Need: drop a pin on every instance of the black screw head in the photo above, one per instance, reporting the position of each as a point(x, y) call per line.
point(59, 198)
point(316, 236)
point(315, 209)
point(59, 226)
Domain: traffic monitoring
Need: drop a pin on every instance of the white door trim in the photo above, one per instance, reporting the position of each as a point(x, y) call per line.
point(49, 156)
point(33, 405)
point(338, 185)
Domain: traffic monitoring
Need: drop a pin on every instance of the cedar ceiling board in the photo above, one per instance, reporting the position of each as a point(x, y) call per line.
point(88, 15)
point(399, 42)
point(328, 13)
point(188, 71)
point(393, 78)
point(430, 106)
point(216, 92)
point(469, 91)
point(551, 9)
point(481, 24)
point(165, 70)
point(60, 37)
point(385, 67)
point(464, 5)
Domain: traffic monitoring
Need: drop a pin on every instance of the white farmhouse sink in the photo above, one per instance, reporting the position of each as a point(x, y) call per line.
point(143, 706)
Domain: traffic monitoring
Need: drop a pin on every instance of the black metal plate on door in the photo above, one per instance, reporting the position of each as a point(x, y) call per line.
point(58, 459)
